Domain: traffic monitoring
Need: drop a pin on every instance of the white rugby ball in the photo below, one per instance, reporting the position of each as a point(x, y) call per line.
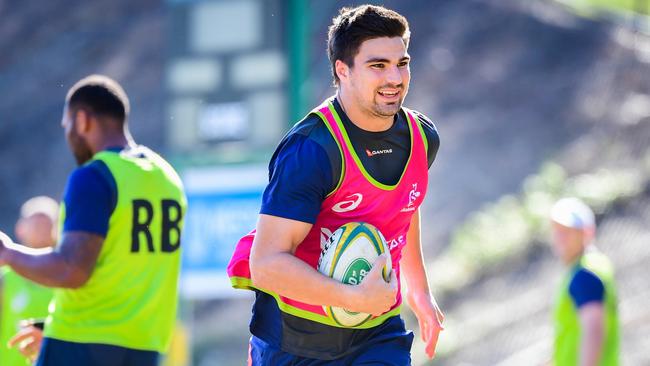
point(348, 256)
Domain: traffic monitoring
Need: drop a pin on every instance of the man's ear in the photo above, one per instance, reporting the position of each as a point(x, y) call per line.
point(82, 121)
point(342, 70)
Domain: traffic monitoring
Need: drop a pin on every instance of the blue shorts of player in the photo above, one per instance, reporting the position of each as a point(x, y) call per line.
point(55, 352)
point(390, 347)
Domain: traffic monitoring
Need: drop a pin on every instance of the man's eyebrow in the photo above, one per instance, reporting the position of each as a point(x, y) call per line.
point(385, 60)
point(376, 59)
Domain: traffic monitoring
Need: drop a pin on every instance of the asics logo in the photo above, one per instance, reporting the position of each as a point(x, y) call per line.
point(349, 205)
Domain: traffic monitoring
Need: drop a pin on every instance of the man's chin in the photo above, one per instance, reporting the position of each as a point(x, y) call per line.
point(388, 110)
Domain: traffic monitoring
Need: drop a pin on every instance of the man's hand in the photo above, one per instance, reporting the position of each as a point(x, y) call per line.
point(29, 341)
point(374, 295)
point(430, 318)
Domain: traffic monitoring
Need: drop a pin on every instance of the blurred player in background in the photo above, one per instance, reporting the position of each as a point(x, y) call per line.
point(586, 320)
point(117, 264)
point(359, 156)
point(23, 299)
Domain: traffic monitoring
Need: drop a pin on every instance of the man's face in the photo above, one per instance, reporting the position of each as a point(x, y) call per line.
point(77, 143)
point(380, 77)
point(36, 231)
point(568, 242)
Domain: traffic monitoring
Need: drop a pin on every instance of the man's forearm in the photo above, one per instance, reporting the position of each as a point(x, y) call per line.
point(412, 262)
point(592, 333)
point(43, 266)
point(414, 273)
point(289, 276)
point(590, 349)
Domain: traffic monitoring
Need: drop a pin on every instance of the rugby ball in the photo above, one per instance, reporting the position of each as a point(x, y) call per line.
point(348, 256)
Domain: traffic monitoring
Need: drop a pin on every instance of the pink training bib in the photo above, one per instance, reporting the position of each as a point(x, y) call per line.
point(358, 197)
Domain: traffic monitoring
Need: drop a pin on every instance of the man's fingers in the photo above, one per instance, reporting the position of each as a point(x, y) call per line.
point(431, 344)
point(29, 348)
point(20, 336)
point(440, 317)
point(377, 267)
point(423, 330)
point(392, 282)
point(433, 333)
point(28, 340)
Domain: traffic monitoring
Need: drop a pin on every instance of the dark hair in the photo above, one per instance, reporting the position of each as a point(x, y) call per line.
point(353, 26)
point(101, 95)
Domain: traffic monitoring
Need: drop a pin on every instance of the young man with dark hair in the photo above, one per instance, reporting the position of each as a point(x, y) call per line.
point(359, 156)
point(117, 263)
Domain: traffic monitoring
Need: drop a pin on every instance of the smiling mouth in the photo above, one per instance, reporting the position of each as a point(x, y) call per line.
point(388, 94)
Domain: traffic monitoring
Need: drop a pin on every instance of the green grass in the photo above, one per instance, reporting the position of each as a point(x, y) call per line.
point(616, 6)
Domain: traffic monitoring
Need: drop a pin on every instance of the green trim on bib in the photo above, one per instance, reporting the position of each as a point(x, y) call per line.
point(422, 134)
point(329, 128)
point(356, 159)
point(246, 283)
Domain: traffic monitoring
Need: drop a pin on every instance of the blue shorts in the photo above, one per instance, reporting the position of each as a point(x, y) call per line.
point(55, 352)
point(389, 349)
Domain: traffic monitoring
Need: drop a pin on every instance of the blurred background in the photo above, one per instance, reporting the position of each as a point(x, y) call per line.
point(533, 99)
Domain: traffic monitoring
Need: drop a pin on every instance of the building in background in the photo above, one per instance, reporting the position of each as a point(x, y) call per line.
point(228, 79)
point(230, 98)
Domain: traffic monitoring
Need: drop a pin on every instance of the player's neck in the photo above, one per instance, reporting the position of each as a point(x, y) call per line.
point(108, 142)
point(361, 118)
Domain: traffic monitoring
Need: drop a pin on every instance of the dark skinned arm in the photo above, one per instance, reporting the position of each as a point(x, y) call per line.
point(70, 265)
